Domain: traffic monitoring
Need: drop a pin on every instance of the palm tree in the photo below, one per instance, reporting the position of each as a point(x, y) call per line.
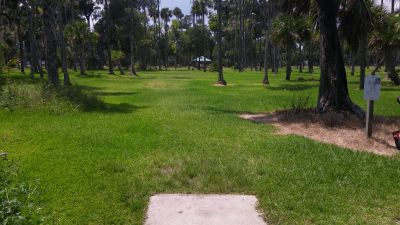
point(333, 91)
point(195, 11)
point(284, 29)
point(78, 34)
point(166, 14)
point(356, 24)
point(177, 12)
point(385, 40)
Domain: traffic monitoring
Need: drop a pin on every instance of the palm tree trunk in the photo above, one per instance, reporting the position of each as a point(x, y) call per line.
point(391, 66)
point(32, 45)
point(219, 43)
point(266, 79)
point(301, 58)
point(333, 91)
point(21, 48)
point(166, 45)
point(288, 62)
point(82, 67)
point(353, 66)
point(108, 33)
point(310, 59)
point(363, 59)
point(49, 18)
point(204, 43)
point(393, 2)
point(63, 46)
point(132, 44)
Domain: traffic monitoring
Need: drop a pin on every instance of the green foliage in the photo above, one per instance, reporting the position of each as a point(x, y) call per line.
point(117, 55)
point(16, 198)
point(386, 32)
point(284, 30)
point(38, 97)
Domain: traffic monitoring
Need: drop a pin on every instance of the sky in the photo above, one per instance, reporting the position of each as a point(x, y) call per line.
point(186, 4)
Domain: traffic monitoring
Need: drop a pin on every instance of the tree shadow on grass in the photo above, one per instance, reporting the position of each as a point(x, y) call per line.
point(89, 101)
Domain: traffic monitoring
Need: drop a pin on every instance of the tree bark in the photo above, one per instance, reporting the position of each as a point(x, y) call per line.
point(132, 45)
point(166, 45)
point(219, 43)
point(288, 62)
point(108, 33)
point(301, 58)
point(204, 42)
point(310, 59)
point(50, 31)
point(363, 59)
point(391, 65)
point(32, 44)
point(333, 91)
point(21, 48)
point(63, 47)
point(266, 79)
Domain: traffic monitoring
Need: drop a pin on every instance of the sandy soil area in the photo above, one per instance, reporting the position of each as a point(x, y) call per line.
point(341, 129)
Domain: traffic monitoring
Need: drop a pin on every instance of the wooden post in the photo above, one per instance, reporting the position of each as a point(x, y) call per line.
point(370, 117)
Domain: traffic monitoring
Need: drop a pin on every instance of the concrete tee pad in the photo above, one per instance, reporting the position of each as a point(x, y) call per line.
point(203, 210)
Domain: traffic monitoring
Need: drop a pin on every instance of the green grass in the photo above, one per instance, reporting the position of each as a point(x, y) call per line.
point(172, 132)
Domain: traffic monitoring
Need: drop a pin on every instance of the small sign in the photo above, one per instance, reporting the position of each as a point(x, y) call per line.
point(372, 88)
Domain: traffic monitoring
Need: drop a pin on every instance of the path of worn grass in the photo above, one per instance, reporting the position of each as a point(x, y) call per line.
point(172, 132)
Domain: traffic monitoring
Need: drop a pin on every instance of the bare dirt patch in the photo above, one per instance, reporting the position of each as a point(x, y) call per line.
point(341, 129)
point(221, 85)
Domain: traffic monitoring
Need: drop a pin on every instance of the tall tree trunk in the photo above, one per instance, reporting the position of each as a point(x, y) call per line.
point(108, 33)
point(353, 63)
point(21, 48)
point(132, 44)
point(63, 46)
point(301, 58)
point(82, 66)
point(333, 91)
point(310, 59)
point(393, 3)
point(204, 43)
point(288, 61)
point(166, 45)
point(241, 35)
point(32, 44)
point(50, 34)
point(363, 59)
point(219, 43)
point(391, 65)
point(159, 32)
point(266, 79)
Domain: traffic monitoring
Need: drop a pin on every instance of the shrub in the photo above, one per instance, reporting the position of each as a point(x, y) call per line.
point(37, 96)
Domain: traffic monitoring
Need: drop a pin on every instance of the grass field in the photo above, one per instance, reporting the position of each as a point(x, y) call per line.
point(173, 132)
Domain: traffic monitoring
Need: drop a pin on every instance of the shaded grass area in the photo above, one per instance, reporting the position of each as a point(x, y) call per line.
point(173, 132)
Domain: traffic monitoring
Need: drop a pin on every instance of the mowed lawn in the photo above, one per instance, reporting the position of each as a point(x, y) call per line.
point(173, 132)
